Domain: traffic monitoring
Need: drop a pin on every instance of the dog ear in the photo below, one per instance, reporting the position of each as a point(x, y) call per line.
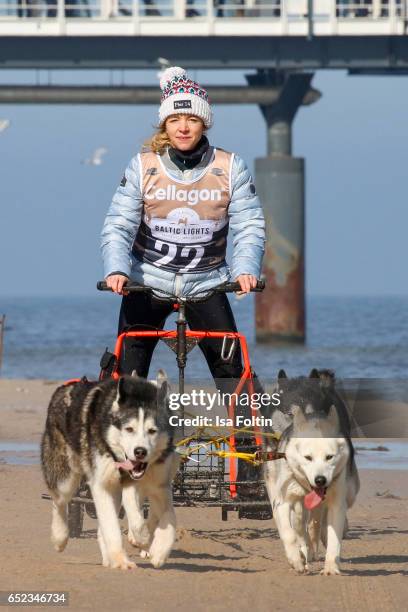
point(314, 373)
point(91, 399)
point(283, 381)
point(327, 379)
point(120, 394)
point(299, 419)
point(333, 418)
point(162, 387)
point(161, 377)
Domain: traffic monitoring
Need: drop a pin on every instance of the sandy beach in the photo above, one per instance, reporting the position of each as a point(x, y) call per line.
point(237, 565)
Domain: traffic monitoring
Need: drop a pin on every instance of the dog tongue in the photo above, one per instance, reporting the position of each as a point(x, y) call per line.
point(314, 498)
point(125, 465)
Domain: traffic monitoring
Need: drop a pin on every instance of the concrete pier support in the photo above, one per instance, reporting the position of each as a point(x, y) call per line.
point(280, 181)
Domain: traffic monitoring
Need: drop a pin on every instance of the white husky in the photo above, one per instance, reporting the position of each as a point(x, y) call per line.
point(312, 488)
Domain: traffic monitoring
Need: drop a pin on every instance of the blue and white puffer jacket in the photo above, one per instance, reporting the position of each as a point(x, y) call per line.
point(246, 222)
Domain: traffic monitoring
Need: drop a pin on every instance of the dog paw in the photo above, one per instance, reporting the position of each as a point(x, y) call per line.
point(135, 541)
point(120, 561)
point(126, 564)
point(158, 556)
point(298, 565)
point(158, 560)
point(59, 544)
point(139, 538)
point(330, 569)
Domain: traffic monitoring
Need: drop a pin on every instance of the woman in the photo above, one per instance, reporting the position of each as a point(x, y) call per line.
point(168, 222)
point(167, 228)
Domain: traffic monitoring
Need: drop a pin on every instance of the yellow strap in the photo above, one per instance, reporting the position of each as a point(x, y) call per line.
point(249, 457)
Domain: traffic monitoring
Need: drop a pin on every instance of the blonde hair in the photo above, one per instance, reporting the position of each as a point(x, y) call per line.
point(160, 140)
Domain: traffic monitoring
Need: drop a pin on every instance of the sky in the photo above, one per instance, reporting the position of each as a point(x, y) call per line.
point(354, 140)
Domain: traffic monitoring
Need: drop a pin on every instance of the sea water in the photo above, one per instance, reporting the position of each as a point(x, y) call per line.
point(60, 338)
point(361, 339)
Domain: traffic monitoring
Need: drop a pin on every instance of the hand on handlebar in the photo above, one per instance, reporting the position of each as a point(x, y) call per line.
point(247, 282)
point(242, 285)
point(116, 282)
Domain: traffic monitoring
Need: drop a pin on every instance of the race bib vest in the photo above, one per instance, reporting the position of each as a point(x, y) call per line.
point(184, 226)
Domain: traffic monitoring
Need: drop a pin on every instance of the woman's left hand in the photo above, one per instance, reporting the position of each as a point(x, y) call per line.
point(247, 282)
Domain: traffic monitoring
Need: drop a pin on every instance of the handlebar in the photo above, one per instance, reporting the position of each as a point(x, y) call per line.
point(131, 287)
point(232, 287)
point(224, 288)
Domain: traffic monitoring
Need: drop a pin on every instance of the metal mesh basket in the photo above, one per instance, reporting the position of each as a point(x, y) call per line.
point(203, 478)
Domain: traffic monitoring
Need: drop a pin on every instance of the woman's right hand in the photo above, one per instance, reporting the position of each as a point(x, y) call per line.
point(117, 282)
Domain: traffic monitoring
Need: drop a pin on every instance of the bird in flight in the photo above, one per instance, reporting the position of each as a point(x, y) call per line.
point(163, 64)
point(4, 124)
point(96, 158)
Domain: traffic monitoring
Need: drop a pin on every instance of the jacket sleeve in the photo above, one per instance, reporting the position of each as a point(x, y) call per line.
point(247, 223)
point(122, 222)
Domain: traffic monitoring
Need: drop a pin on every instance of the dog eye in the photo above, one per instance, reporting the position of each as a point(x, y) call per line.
point(309, 457)
point(129, 429)
point(328, 457)
point(151, 431)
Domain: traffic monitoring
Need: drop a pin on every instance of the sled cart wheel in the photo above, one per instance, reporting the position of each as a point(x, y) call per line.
point(75, 519)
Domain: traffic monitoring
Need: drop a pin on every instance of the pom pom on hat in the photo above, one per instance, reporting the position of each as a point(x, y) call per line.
point(182, 95)
point(169, 74)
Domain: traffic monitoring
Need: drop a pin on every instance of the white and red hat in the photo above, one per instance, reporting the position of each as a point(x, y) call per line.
point(180, 94)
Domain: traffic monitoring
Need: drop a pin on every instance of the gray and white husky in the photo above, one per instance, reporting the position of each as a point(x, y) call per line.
point(117, 435)
point(311, 489)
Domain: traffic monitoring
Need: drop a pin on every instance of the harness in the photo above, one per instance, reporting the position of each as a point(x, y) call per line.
point(256, 458)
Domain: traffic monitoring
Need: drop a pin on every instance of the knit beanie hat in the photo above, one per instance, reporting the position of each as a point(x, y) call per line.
point(180, 94)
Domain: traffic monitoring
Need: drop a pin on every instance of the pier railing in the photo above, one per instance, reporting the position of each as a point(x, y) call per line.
point(203, 17)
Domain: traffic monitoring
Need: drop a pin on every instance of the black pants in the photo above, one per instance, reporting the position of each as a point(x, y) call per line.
point(145, 312)
point(140, 311)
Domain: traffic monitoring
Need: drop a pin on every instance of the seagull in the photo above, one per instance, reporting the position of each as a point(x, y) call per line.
point(163, 63)
point(4, 124)
point(96, 159)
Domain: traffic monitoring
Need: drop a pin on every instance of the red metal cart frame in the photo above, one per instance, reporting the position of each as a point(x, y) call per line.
point(245, 379)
